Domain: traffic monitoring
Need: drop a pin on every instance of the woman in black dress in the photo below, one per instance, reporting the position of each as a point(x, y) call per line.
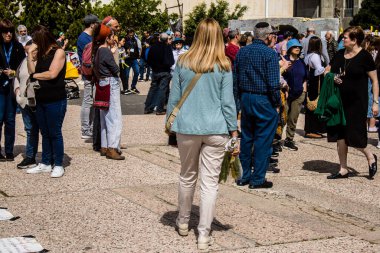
point(314, 128)
point(354, 65)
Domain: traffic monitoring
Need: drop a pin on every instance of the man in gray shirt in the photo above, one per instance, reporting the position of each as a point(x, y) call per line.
point(310, 32)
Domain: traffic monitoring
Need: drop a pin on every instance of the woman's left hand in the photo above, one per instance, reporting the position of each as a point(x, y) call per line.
point(375, 109)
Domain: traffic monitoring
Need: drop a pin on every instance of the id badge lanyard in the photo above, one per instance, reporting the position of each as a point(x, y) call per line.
point(8, 59)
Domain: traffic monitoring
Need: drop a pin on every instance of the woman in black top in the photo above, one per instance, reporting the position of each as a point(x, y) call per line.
point(51, 99)
point(354, 65)
point(11, 55)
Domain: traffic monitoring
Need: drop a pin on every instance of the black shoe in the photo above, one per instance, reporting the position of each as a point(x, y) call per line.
point(337, 176)
point(127, 92)
point(273, 161)
point(266, 184)
point(10, 157)
point(242, 182)
point(146, 80)
point(161, 113)
point(148, 111)
point(275, 154)
point(136, 91)
point(373, 168)
point(277, 148)
point(2, 158)
point(27, 163)
point(289, 144)
point(273, 169)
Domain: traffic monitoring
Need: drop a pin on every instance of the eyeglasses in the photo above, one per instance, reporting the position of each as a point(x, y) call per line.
point(7, 31)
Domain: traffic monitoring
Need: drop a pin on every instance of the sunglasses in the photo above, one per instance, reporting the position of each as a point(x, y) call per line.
point(7, 31)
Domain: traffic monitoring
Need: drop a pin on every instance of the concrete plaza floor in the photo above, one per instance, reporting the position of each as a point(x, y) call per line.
point(101, 205)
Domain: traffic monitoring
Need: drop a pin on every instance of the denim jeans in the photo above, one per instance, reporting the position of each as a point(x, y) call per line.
point(258, 125)
point(50, 118)
point(144, 65)
point(111, 119)
point(86, 112)
point(158, 91)
point(32, 131)
point(8, 118)
point(134, 64)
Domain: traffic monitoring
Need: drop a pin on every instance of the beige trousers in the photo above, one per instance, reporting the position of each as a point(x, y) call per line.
point(203, 154)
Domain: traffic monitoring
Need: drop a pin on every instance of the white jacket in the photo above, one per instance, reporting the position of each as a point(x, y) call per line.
point(26, 87)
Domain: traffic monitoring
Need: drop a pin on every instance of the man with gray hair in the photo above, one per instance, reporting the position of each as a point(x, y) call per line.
point(310, 32)
point(332, 44)
point(22, 35)
point(160, 58)
point(257, 75)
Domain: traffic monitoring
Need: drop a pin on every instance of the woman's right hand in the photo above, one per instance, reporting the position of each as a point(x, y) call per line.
point(338, 80)
point(32, 49)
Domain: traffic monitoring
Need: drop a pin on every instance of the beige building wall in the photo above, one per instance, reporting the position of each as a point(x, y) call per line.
point(256, 8)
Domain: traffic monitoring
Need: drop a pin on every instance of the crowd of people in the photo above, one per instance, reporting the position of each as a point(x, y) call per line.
point(266, 77)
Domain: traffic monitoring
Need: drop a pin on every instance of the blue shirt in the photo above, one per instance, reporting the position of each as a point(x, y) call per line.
point(295, 77)
point(257, 71)
point(82, 41)
point(210, 107)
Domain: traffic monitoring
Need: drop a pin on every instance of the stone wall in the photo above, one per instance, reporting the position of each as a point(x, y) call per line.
point(320, 24)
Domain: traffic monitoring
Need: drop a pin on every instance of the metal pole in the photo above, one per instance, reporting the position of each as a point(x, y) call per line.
point(266, 8)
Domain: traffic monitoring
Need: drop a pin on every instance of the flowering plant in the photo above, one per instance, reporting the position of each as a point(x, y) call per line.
point(231, 162)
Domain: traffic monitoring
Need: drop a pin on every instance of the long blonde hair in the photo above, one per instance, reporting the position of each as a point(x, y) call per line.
point(207, 49)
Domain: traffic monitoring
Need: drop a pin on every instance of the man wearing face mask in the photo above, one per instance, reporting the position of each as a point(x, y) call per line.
point(22, 35)
point(257, 74)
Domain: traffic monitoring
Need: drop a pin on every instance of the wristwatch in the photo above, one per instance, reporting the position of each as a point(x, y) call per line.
point(376, 101)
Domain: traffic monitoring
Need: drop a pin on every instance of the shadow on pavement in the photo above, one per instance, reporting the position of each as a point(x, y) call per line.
point(130, 104)
point(321, 166)
point(169, 219)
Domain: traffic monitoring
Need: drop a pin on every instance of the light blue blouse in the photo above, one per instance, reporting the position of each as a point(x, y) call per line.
point(210, 107)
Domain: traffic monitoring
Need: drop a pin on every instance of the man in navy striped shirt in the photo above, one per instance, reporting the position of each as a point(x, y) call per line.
point(257, 74)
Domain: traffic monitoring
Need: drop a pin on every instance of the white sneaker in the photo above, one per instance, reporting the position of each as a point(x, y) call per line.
point(58, 171)
point(40, 168)
point(183, 229)
point(204, 242)
point(378, 145)
point(86, 136)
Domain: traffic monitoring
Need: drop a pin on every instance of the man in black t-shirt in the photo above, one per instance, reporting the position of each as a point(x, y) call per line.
point(133, 54)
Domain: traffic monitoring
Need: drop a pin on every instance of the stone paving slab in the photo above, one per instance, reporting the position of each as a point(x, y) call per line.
point(91, 221)
point(79, 176)
point(335, 245)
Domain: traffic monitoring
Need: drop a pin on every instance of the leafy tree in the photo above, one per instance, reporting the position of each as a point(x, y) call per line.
point(9, 9)
point(58, 15)
point(368, 14)
point(220, 11)
point(138, 14)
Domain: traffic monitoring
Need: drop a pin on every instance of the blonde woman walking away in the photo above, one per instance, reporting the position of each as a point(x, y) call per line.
point(203, 124)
